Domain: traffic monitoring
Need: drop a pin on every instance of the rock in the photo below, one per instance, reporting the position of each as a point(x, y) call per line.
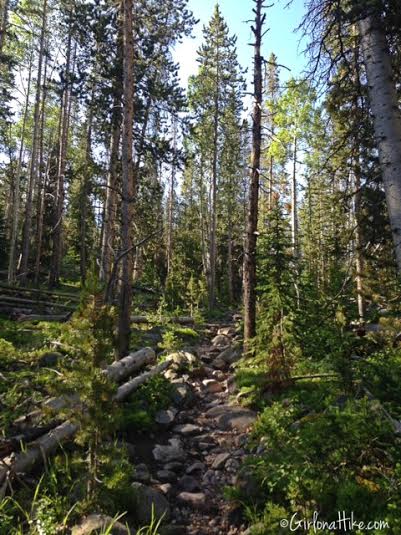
point(231, 385)
point(166, 476)
point(212, 386)
point(196, 467)
point(51, 358)
point(247, 484)
point(183, 359)
point(141, 473)
point(231, 354)
point(165, 417)
point(170, 374)
point(175, 466)
point(187, 429)
point(220, 461)
point(188, 484)
point(166, 488)
point(172, 452)
point(172, 530)
point(183, 395)
point(219, 363)
point(221, 340)
point(226, 331)
point(96, 523)
point(196, 500)
point(231, 417)
point(146, 501)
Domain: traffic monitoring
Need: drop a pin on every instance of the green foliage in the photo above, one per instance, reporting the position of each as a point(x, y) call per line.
point(139, 411)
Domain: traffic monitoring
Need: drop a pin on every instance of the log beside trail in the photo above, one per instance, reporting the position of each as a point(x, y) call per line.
point(11, 300)
point(44, 317)
point(46, 445)
point(181, 320)
point(120, 369)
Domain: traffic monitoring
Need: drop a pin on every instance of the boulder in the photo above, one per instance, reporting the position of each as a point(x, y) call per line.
point(187, 429)
point(220, 461)
point(196, 500)
point(166, 476)
point(188, 484)
point(196, 467)
point(141, 473)
point(97, 523)
point(226, 331)
point(212, 386)
point(183, 359)
point(183, 395)
point(172, 452)
point(165, 417)
point(221, 340)
point(219, 363)
point(231, 354)
point(147, 501)
point(232, 417)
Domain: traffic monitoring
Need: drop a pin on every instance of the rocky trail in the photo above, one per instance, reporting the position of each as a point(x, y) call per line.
point(184, 468)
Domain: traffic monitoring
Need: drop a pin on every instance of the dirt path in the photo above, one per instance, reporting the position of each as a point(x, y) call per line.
point(200, 447)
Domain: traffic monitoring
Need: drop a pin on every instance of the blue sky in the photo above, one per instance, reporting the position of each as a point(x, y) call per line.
point(281, 38)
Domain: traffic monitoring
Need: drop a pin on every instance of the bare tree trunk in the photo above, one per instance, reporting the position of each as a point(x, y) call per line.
point(386, 118)
point(54, 275)
point(230, 262)
point(128, 184)
point(249, 276)
point(41, 182)
point(33, 174)
point(12, 265)
point(83, 261)
point(294, 207)
point(170, 204)
point(213, 193)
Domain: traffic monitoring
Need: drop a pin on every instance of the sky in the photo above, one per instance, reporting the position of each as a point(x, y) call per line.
point(280, 38)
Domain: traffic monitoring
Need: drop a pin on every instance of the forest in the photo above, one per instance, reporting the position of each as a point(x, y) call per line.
point(200, 298)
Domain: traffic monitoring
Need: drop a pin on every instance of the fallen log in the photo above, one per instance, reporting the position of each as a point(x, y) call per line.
point(44, 317)
point(21, 289)
point(120, 369)
point(7, 299)
point(47, 444)
point(126, 389)
point(181, 320)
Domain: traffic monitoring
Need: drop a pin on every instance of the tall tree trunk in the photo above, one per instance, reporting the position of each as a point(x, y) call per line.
point(128, 185)
point(3, 26)
point(213, 193)
point(294, 201)
point(83, 261)
point(12, 265)
point(170, 204)
point(33, 174)
point(359, 259)
point(41, 182)
point(249, 276)
point(54, 275)
point(386, 118)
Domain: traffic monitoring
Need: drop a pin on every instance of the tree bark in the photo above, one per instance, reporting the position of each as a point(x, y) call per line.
point(294, 201)
point(249, 276)
point(84, 194)
point(12, 265)
point(3, 27)
point(54, 275)
point(386, 118)
point(33, 174)
point(170, 205)
point(128, 184)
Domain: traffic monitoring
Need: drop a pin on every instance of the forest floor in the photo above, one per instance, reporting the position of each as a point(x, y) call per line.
point(200, 452)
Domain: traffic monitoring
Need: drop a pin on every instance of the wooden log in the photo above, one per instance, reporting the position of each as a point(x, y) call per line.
point(120, 369)
point(127, 388)
point(181, 320)
point(39, 450)
point(46, 445)
point(44, 317)
point(21, 300)
point(22, 289)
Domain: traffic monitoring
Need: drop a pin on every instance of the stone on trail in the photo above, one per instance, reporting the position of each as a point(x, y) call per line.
point(221, 340)
point(220, 461)
point(196, 467)
point(166, 476)
point(188, 484)
point(171, 452)
point(165, 417)
point(231, 355)
point(232, 417)
point(146, 502)
point(226, 331)
point(141, 473)
point(197, 500)
point(219, 363)
point(183, 395)
point(94, 523)
point(183, 358)
point(212, 386)
point(187, 429)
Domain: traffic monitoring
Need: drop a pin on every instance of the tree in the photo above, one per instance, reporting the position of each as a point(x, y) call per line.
point(249, 281)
